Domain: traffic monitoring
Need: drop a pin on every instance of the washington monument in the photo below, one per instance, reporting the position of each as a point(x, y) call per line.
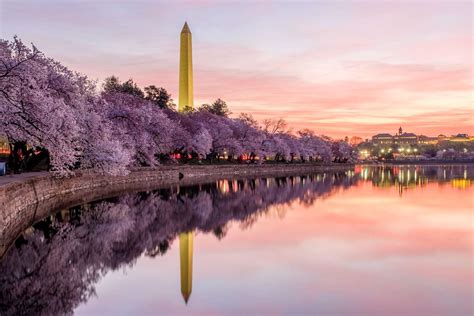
point(186, 98)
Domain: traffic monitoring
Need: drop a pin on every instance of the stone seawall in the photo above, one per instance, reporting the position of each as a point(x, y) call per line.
point(23, 203)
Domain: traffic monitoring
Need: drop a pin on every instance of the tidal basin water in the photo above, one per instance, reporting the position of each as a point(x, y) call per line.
point(369, 241)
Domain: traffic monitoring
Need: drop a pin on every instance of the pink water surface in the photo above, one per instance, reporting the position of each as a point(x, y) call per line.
point(366, 250)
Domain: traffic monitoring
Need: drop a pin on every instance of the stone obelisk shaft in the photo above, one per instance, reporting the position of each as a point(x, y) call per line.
point(186, 98)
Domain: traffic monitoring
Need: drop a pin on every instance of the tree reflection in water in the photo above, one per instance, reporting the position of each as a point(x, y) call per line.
point(54, 265)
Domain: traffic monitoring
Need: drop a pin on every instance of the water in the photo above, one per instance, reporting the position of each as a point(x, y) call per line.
point(370, 241)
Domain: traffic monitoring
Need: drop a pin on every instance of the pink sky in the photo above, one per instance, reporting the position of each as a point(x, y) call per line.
point(339, 68)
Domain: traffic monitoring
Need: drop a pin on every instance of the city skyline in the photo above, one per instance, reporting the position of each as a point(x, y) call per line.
point(332, 68)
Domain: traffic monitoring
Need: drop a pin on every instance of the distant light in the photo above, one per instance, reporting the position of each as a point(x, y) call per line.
point(415, 150)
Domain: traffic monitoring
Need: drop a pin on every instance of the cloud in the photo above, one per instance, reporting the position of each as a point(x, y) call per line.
point(386, 95)
point(355, 69)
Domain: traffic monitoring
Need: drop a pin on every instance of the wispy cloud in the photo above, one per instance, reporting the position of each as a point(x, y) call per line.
point(345, 68)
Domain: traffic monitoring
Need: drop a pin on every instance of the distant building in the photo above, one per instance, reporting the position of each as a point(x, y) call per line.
point(405, 138)
point(427, 140)
point(402, 138)
point(461, 138)
point(382, 139)
point(442, 138)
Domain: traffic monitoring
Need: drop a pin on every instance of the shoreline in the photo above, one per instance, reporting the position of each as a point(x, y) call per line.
point(29, 199)
point(418, 162)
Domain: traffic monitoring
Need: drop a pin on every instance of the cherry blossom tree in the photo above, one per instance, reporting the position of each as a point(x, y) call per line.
point(102, 150)
point(248, 135)
point(141, 126)
point(44, 104)
point(223, 140)
point(191, 136)
point(39, 99)
point(314, 147)
point(343, 152)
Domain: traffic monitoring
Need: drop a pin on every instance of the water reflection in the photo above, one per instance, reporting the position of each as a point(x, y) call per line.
point(406, 177)
point(55, 265)
point(186, 263)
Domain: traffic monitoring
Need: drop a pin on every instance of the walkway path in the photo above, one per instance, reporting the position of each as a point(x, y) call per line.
point(20, 177)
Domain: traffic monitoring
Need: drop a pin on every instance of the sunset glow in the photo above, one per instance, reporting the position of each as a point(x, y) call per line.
point(237, 157)
point(387, 247)
point(352, 68)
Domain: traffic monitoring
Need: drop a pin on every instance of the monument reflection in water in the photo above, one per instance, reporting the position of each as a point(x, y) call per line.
point(56, 265)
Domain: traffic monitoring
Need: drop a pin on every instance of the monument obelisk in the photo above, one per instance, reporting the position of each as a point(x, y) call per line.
point(186, 97)
point(186, 100)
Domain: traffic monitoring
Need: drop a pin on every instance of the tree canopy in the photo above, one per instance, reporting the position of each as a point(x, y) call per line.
point(218, 107)
point(159, 96)
point(112, 84)
point(45, 104)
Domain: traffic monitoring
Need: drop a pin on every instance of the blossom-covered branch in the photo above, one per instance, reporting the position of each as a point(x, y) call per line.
point(58, 111)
